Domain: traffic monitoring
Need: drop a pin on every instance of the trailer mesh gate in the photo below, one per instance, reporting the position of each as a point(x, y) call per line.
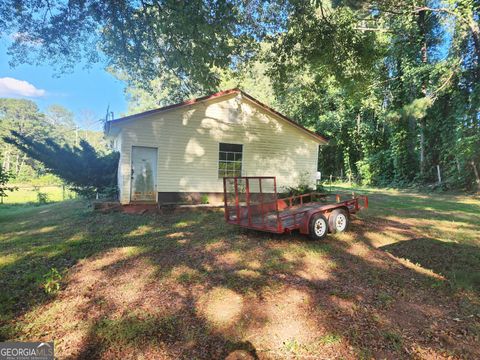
point(252, 202)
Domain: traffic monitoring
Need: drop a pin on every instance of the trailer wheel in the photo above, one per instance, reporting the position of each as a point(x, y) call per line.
point(338, 221)
point(318, 227)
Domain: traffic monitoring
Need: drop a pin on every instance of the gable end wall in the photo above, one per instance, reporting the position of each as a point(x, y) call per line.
point(188, 140)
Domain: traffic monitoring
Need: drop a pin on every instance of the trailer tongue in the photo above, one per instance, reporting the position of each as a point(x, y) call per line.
point(252, 202)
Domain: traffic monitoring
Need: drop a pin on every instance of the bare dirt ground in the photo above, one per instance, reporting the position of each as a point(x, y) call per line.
point(189, 286)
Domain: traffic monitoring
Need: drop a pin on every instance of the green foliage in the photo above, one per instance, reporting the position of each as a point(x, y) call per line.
point(87, 171)
point(185, 39)
point(42, 198)
point(395, 340)
point(394, 85)
point(52, 281)
point(330, 339)
point(204, 199)
point(5, 177)
point(303, 187)
point(417, 109)
point(56, 123)
point(376, 169)
point(23, 116)
point(401, 109)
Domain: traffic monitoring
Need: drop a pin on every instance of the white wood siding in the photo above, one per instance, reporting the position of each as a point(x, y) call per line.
point(188, 139)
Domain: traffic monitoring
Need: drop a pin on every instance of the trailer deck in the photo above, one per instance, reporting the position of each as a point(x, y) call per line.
point(252, 202)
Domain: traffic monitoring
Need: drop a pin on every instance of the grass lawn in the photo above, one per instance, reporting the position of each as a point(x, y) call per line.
point(29, 194)
point(403, 283)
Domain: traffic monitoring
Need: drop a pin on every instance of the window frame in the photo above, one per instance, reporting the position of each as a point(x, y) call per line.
point(218, 157)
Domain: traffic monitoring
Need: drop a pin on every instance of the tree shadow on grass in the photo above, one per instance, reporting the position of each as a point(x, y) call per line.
point(460, 263)
point(420, 205)
point(190, 286)
point(181, 334)
point(366, 307)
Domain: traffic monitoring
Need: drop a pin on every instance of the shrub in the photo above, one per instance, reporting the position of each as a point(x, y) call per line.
point(303, 186)
point(42, 198)
point(51, 284)
point(204, 199)
point(376, 169)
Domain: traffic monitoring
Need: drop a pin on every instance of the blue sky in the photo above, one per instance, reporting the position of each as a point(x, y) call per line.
point(85, 91)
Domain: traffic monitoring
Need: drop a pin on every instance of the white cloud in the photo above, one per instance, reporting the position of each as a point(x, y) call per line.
point(14, 87)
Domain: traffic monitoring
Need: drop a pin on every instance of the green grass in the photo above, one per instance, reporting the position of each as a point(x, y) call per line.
point(29, 194)
point(447, 227)
point(330, 339)
point(394, 339)
point(177, 261)
point(34, 239)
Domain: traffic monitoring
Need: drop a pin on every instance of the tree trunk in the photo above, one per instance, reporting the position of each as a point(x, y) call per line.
point(24, 157)
point(17, 164)
point(6, 162)
point(477, 176)
point(423, 125)
point(422, 25)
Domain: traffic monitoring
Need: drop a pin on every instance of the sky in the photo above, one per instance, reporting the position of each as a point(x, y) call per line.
point(85, 92)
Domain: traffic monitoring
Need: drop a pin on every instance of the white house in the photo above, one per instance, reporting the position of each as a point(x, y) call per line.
point(182, 152)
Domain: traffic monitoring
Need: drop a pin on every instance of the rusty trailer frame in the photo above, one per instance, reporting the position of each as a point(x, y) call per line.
point(261, 209)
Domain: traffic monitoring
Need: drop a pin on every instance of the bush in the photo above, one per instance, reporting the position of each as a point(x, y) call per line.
point(42, 198)
point(303, 187)
point(204, 199)
point(51, 284)
point(376, 169)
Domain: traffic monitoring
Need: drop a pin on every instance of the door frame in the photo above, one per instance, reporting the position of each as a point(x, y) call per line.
point(155, 178)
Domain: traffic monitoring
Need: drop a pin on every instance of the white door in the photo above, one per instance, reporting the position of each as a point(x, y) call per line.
point(144, 174)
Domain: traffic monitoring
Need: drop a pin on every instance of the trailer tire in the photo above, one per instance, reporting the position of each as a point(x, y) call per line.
point(318, 227)
point(338, 221)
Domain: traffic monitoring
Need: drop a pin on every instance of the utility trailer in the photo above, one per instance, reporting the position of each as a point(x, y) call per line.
point(252, 202)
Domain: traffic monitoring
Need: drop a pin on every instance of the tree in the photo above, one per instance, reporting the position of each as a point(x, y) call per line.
point(373, 77)
point(187, 39)
point(5, 177)
point(395, 85)
point(81, 167)
point(24, 117)
point(62, 124)
point(250, 76)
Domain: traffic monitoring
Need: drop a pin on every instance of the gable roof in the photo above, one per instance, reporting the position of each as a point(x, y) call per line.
point(214, 96)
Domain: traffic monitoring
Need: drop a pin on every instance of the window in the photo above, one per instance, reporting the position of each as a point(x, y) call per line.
point(230, 160)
